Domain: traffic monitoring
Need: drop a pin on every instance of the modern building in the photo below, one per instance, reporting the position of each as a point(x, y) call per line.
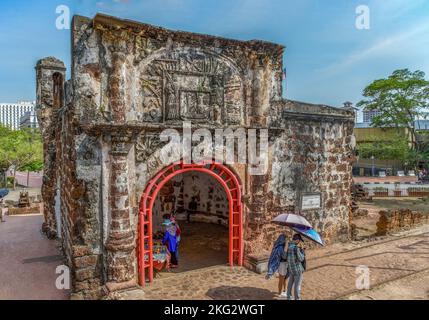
point(368, 115)
point(29, 120)
point(365, 132)
point(421, 125)
point(11, 113)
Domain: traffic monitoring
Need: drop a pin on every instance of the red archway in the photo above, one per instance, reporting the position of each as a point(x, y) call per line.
point(232, 187)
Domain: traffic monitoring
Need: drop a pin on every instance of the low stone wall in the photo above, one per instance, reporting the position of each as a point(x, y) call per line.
point(34, 209)
point(395, 220)
point(258, 264)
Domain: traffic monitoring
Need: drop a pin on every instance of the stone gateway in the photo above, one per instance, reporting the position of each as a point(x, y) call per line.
point(105, 186)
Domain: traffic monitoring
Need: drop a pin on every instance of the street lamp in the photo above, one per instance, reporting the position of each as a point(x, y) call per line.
point(373, 168)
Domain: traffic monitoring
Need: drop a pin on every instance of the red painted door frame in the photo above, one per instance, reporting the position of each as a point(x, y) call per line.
point(232, 188)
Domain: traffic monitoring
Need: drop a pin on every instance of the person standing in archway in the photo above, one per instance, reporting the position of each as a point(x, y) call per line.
point(178, 235)
point(170, 240)
point(192, 208)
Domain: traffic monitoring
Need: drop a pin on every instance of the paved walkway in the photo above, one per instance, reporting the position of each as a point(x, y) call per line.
point(14, 194)
point(399, 268)
point(34, 179)
point(28, 260)
point(413, 287)
point(331, 274)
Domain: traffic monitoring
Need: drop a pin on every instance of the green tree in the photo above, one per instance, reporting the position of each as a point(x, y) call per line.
point(381, 149)
point(20, 149)
point(422, 147)
point(4, 161)
point(400, 99)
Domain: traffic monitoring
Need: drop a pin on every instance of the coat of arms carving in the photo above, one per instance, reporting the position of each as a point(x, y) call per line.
point(193, 86)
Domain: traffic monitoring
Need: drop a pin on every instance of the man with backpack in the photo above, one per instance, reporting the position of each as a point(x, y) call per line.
point(296, 266)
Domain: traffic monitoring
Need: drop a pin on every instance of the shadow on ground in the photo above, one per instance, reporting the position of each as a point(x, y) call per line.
point(239, 293)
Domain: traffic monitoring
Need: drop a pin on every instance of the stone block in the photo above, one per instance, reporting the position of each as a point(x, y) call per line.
point(85, 261)
point(85, 274)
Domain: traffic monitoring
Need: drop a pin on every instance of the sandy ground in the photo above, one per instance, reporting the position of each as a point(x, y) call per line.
point(28, 260)
point(203, 245)
point(398, 265)
point(413, 287)
point(332, 272)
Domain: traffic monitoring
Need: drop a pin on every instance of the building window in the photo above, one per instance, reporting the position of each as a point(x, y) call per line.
point(368, 115)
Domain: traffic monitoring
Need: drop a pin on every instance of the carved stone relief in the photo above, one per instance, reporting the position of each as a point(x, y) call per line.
point(146, 145)
point(193, 86)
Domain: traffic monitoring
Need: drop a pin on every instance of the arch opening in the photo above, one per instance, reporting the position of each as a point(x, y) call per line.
point(151, 211)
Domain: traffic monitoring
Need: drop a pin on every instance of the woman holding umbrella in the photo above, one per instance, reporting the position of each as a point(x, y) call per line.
point(295, 259)
point(295, 256)
point(277, 262)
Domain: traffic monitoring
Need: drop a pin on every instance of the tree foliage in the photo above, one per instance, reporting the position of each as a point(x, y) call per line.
point(396, 149)
point(21, 149)
point(400, 99)
point(385, 150)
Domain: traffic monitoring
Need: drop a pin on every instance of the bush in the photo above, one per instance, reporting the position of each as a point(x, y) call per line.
point(380, 189)
point(10, 181)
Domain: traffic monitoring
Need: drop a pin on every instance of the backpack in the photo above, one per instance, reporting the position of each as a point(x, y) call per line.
point(304, 262)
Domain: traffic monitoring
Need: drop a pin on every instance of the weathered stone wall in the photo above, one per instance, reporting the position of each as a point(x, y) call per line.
point(80, 176)
point(129, 82)
point(50, 74)
point(133, 73)
point(311, 150)
point(396, 220)
point(305, 156)
point(71, 170)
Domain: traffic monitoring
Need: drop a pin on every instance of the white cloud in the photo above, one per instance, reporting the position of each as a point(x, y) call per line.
point(399, 41)
point(392, 9)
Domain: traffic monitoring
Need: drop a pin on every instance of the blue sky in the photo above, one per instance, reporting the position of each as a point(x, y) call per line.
point(328, 60)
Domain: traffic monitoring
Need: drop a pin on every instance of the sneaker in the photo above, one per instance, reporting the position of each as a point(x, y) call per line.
point(283, 294)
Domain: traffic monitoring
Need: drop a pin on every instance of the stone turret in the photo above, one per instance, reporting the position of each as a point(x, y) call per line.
point(50, 75)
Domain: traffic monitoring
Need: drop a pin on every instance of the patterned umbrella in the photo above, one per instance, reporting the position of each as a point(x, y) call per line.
point(291, 220)
point(310, 234)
